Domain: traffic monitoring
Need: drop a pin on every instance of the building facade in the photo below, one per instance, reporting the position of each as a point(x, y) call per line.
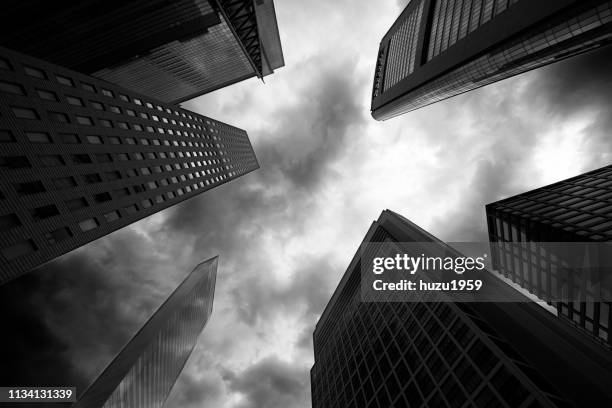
point(168, 50)
point(437, 49)
point(447, 354)
point(143, 373)
point(578, 209)
point(81, 158)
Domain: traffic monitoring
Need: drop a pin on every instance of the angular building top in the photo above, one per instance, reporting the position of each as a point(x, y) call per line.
point(143, 373)
point(578, 209)
point(445, 354)
point(81, 158)
point(437, 49)
point(169, 50)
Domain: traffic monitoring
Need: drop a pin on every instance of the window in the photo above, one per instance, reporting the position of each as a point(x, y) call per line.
point(43, 212)
point(88, 224)
point(102, 197)
point(88, 87)
point(34, 72)
point(137, 101)
point(147, 203)
point(93, 139)
point(114, 140)
point(38, 137)
point(112, 175)
point(6, 136)
point(121, 192)
point(70, 138)
point(106, 123)
point(137, 127)
point(145, 171)
point(122, 125)
point(24, 113)
point(32, 187)
point(62, 183)
point(104, 158)
point(131, 209)
point(11, 87)
point(114, 109)
point(19, 249)
point(108, 92)
point(76, 204)
point(124, 98)
point(14, 162)
point(51, 160)
point(112, 216)
point(9, 221)
point(58, 235)
point(64, 80)
point(130, 112)
point(58, 117)
point(97, 105)
point(92, 178)
point(123, 156)
point(73, 100)
point(81, 159)
point(84, 120)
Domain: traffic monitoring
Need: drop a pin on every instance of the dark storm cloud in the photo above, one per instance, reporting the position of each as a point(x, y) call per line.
point(70, 317)
point(271, 383)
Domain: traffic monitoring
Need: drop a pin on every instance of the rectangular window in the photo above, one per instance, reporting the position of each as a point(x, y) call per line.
point(93, 139)
point(88, 87)
point(32, 187)
point(81, 159)
point(58, 235)
point(84, 120)
point(44, 212)
point(73, 100)
point(11, 87)
point(104, 158)
point(14, 162)
point(131, 209)
point(88, 224)
point(112, 175)
point(58, 117)
point(147, 203)
point(51, 160)
point(97, 105)
point(9, 221)
point(62, 183)
point(64, 80)
point(19, 249)
point(121, 192)
point(34, 72)
point(76, 204)
point(108, 92)
point(70, 138)
point(102, 197)
point(92, 178)
point(38, 137)
point(112, 216)
point(24, 113)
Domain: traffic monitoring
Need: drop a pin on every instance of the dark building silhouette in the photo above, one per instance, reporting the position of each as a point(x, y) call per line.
point(448, 354)
point(143, 373)
point(80, 158)
point(169, 50)
point(437, 49)
point(578, 209)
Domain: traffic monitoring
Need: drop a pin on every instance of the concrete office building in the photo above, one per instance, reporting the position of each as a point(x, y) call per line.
point(81, 158)
point(578, 209)
point(379, 354)
point(168, 50)
point(143, 373)
point(437, 49)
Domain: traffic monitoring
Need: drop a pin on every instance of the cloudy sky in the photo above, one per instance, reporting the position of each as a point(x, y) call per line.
point(286, 233)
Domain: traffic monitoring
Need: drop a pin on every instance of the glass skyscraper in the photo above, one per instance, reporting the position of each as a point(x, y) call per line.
point(81, 158)
point(168, 50)
point(143, 373)
point(578, 209)
point(437, 49)
point(378, 354)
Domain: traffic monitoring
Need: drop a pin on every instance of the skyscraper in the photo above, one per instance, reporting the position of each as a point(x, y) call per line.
point(143, 373)
point(437, 49)
point(81, 158)
point(168, 50)
point(446, 354)
point(578, 209)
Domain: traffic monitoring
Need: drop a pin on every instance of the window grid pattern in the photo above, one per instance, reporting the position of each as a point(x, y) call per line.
point(417, 354)
point(402, 56)
point(577, 209)
point(539, 47)
point(144, 372)
point(72, 173)
point(454, 19)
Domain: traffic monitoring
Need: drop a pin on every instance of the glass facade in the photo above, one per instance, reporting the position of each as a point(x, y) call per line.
point(143, 373)
point(463, 52)
point(80, 158)
point(577, 209)
point(415, 354)
point(168, 50)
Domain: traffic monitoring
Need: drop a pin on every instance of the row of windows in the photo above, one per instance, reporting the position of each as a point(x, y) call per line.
point(69, 82)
